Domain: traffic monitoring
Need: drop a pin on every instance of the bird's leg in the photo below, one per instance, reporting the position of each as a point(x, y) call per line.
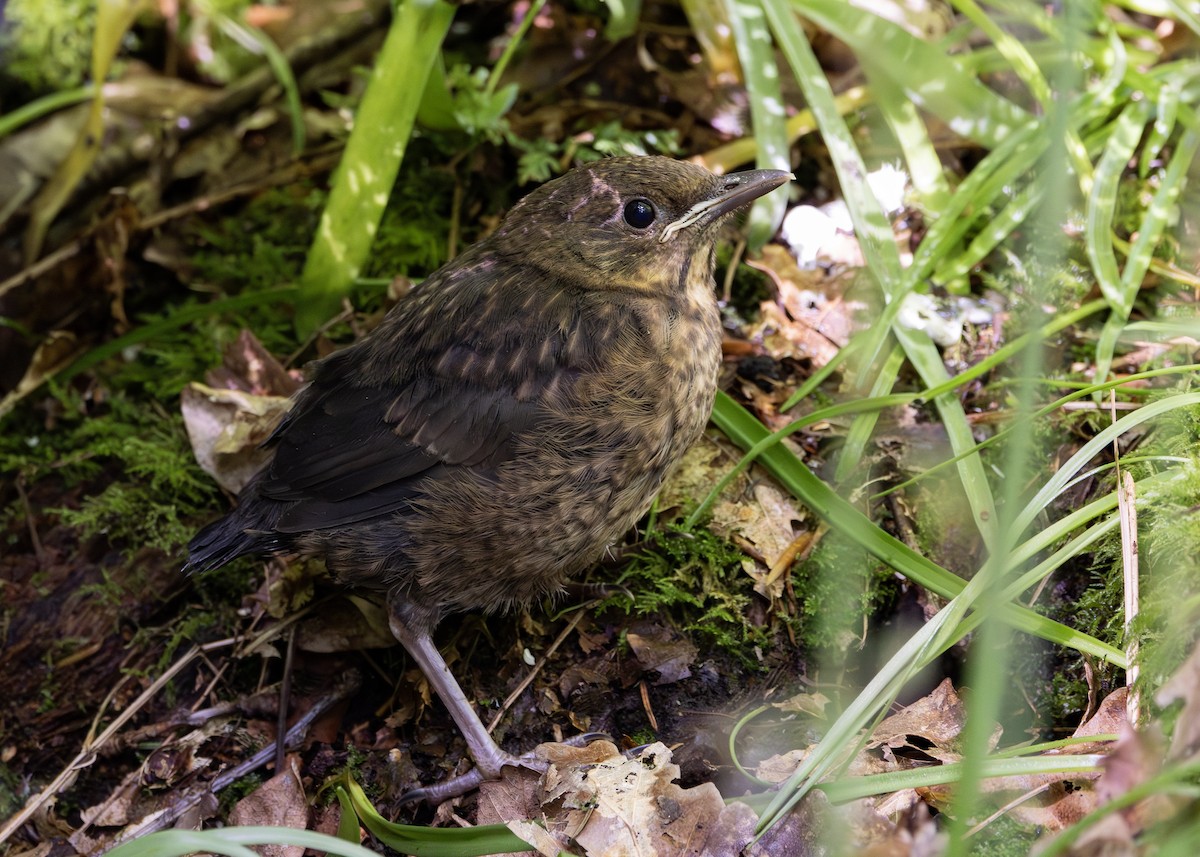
point(488, 757)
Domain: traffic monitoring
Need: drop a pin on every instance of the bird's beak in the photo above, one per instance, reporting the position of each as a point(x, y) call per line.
point(736, 190)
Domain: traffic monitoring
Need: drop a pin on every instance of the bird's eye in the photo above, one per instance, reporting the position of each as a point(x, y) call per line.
point(639, 213)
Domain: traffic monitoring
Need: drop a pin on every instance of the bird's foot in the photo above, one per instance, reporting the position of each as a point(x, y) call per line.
point(490, 768)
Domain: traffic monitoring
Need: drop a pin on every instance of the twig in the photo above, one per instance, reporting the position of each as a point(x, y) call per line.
point(645, 691)
point(537, 667)
point(345, 687)
point(87, 754)
point(285, 692)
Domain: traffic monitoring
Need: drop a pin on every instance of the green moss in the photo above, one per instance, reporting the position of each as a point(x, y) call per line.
point(139, 451)
point(837, 586)
point(1004, 837)
point(48, 46)
point(237, 790)
point(697, 579)
point(1170, 551)
point(262, 245)
point(412, 236)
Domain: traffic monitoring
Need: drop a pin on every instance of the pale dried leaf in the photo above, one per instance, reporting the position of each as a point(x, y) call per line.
point(53, 354)
point(611, 806)
point(734, 831)
point(537, 836)
point(226, 429)
point(1184, 685)
point(760, 515)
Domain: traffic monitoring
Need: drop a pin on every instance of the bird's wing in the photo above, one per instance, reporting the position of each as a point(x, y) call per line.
point(358, 444)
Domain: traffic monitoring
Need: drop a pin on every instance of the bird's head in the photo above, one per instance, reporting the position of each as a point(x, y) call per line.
point(643, 223)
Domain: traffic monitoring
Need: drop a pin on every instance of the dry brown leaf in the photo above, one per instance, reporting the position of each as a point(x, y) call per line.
point(1057, 801)
point(759, 513)
point(659, 649)
point(516, 796)
point(803, 832)
point(246, 365)
point(734, 831)
point(937, 718)
point(808, 704)
point(345, 625)
point(914, 834)
point(280, 802)
point(53, 354)
point(810, 317)
point(1136, 758)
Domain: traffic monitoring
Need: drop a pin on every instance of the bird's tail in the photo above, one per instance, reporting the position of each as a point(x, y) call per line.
point(249, 529)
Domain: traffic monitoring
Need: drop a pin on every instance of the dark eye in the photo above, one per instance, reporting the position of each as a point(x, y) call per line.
point(639, 213)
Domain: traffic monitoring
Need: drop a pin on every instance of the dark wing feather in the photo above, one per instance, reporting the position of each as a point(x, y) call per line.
point(360, 441)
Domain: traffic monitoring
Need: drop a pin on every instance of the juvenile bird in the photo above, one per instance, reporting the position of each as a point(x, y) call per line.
point(512, 416)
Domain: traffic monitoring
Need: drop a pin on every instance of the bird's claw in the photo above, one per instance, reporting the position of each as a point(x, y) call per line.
point(477, 776)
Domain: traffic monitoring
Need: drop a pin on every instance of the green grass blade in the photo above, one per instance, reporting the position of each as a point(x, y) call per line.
point(371, 161)
point(935, 80)
point(757, 56)
point(744, 430)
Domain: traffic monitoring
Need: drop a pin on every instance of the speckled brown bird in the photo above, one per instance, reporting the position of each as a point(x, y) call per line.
point(511, 417)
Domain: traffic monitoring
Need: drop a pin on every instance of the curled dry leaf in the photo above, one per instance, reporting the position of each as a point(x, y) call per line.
point(1055, 801)
point(937, 719)
point(1184, 685)
point(53, 354)
point(811, 316)
point(226, 428)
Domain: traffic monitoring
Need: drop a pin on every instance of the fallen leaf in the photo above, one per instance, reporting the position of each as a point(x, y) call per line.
point(1184, 685)
point(226, 429)
point(937, 718)
point(1057, 801)
point(660, 650)
point(281, 802)
point(611, 806)
point(346, 624)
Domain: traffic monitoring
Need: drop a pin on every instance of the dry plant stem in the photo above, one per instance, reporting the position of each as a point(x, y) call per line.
point(87, 754)
point(346, 686)
point(1012, 804)
point(537, 668)
point(1127, 506)
point(645, 692)
point(800, 546)
point(285, 693)
point(31, 522)
point(322, 162)
point(346, 34)
point(1127, 509)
